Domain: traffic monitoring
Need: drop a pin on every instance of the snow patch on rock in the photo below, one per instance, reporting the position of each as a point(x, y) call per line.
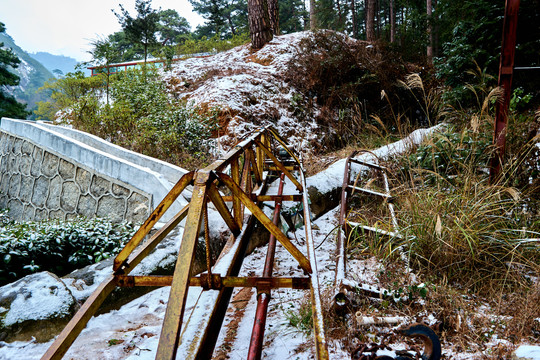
point(36, 297)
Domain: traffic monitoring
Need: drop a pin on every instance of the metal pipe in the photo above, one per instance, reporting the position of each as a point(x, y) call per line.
point(526, 67)
point(506, 67)
point(343, 234)
point(263, 296)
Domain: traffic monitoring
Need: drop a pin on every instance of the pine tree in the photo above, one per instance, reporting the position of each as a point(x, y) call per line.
point(225, 17)
point(292, 16)
point(104, 53)
point(143, 28)
point(259, 23)
point(172, 27)
point(8, 104)
point(370, 20)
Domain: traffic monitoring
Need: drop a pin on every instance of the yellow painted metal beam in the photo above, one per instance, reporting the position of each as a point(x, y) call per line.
point(221, 207)
point(284, 143)
point(152, 219)
point(263, 198)
point(172, 323)
point(237, 205)
point(267, 223)
point(62, 343)
point(221, 282)
point(280, 165)
point(149, 245)
point(254, 165)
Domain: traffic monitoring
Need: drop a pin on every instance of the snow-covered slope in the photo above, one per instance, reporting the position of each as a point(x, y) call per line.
point(248, 88)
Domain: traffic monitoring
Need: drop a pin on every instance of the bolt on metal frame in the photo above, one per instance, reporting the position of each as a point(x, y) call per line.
point(242, 172)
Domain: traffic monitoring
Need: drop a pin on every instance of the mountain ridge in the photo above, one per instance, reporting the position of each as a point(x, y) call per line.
point(32, 75)
point(54, 62)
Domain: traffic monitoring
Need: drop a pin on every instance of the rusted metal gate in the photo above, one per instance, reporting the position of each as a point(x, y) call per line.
point(348, 189)
point(365, 351)
point(242, 174)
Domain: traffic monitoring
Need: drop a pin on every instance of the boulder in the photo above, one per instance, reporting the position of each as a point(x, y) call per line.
point(38, 305)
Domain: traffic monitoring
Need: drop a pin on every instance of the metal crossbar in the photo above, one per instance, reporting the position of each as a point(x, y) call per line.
point(242, 174)
point(343, 235)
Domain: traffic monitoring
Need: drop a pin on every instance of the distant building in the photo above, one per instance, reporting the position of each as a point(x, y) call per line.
point(137, 64)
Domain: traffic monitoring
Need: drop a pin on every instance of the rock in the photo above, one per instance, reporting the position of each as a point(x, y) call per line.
point(38, 305)
point(321, 202)
point(111, 207)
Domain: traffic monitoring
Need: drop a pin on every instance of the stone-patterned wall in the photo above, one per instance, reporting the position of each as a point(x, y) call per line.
point(36, 184)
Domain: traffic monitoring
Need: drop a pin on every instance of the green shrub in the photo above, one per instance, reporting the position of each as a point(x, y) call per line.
point(58, 246)
point(140, 115)
point(302, 318)
point(213, 44)
point(450, 156)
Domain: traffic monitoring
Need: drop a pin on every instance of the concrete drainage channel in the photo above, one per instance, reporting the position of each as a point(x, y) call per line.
point(55, 172)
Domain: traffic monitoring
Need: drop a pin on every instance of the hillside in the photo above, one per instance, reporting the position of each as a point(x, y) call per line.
point(31, 72)
point(248, 89)
point(55, 62)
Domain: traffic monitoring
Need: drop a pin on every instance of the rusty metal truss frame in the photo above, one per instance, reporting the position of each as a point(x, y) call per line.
point(243, 174)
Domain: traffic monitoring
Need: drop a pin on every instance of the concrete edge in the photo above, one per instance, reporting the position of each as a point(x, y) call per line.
point(171, 172)
point(112, 166)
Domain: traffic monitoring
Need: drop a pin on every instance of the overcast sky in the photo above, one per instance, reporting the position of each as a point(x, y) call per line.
point(66, 27)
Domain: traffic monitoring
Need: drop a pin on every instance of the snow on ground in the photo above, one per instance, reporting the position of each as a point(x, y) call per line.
point(132, 332)
point(246, 85)
point(243, 83)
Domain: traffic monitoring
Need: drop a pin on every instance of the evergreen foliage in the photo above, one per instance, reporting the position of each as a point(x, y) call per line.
point(143, 28)
point(293, 16)
point(225, 18)
point(8, 105)
point(172, 27)
point(57, 246)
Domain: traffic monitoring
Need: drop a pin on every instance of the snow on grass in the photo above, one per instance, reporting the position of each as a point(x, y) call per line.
point(248, 86)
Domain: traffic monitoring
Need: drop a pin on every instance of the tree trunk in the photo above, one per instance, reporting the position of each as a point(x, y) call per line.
point(430, 32)
point(392, 22)
point(378, 15)
point(340, 17)
point(312, 16)
point(436, 30)
point(370, 20)
point(259, 23)
point(273, 14)
point(354, 22)
point(229, 20)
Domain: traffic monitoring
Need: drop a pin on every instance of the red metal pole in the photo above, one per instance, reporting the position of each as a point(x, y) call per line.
point(343, 234)
point(263, 297)
point(506, 69)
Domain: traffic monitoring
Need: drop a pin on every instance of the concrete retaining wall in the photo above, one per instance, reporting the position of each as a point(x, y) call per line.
point(45, 173)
